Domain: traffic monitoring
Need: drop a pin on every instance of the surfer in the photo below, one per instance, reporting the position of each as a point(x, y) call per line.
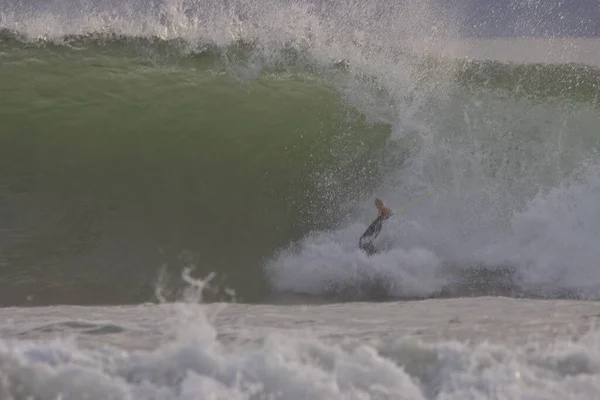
point(366, 240)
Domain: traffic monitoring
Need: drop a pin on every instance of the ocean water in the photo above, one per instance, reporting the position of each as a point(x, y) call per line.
point(183, 185)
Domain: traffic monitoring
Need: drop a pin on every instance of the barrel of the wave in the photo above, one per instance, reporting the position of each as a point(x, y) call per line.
point(365, 242)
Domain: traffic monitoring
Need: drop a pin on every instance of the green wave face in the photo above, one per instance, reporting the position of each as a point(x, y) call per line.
point(111, 165)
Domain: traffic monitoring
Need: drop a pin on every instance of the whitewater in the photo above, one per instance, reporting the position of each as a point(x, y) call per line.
point(183, 185)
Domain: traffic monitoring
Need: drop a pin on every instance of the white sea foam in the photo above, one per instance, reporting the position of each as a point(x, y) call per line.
point(551, 242)
point(297, 364)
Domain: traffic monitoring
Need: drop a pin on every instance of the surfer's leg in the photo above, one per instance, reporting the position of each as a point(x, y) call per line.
point(365, 242)
point(367, 247)
point(373, 230)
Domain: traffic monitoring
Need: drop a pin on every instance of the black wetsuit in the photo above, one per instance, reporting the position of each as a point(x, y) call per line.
point(366, 240)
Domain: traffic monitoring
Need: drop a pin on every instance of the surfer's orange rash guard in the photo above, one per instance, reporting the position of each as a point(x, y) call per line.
point(385, 212)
